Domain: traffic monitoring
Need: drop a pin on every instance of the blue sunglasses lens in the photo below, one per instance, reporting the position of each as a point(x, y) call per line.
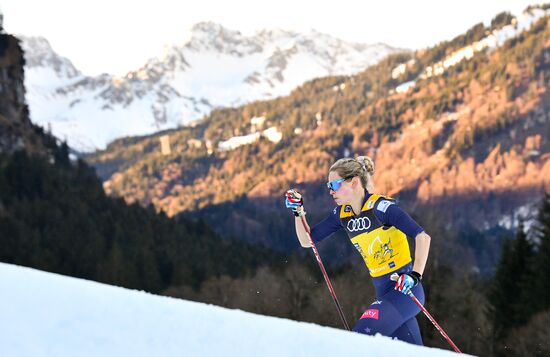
point(335, 185)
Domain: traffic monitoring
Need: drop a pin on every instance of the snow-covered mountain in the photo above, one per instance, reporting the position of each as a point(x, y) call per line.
point(45, 314)
point(217, 67)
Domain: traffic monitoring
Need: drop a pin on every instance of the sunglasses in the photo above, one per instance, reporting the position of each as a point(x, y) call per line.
point(335, 184)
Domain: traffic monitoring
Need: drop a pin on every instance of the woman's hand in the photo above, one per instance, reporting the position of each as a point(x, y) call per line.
point(294, 201)
point(407, 281)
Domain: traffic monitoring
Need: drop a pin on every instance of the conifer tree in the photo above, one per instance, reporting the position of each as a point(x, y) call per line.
point(540, 283)
point(506, 309)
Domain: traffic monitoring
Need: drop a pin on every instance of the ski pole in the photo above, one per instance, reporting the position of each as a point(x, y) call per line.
point(327, 280)
point(395, 277)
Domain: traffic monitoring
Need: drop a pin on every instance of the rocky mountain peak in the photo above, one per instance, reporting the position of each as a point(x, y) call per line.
point(210, 36)
point(39, 53)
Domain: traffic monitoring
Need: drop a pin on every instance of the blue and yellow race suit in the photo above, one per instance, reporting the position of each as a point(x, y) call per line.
point(379, 233)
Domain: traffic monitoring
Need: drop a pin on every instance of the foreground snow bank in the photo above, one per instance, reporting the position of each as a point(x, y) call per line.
point(45, 314)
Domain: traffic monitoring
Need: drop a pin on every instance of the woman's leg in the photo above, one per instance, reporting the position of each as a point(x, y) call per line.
point(381, 317)
point(409, 332)
point(393, 311)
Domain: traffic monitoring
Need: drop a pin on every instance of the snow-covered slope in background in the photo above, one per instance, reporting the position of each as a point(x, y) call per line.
point(493, 40)
point(217, 67)
point(45, 314)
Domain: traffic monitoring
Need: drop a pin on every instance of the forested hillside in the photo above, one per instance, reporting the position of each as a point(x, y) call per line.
point(457, 123)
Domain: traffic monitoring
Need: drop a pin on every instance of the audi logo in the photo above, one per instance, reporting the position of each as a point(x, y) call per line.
point(358, 224)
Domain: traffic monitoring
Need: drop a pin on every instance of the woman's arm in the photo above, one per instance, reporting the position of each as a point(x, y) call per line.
point(301, 232)
point(422, 243)
point(320, 231)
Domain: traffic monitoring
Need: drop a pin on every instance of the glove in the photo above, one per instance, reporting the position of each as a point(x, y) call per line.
point(407, 281)
point(295, 202)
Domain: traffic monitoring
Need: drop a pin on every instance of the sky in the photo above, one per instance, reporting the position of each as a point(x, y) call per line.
point(45, 314)
point(106, 36)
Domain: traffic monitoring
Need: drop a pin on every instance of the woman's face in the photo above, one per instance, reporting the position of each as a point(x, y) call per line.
point(344, 193)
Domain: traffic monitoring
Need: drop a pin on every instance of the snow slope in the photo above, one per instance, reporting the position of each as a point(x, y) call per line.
point(45, 314)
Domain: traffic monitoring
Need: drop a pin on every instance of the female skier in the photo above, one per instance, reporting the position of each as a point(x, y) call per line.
point(377, 227)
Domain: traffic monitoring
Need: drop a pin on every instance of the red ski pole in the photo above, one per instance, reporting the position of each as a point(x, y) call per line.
point(394, 277)
point(327, 280)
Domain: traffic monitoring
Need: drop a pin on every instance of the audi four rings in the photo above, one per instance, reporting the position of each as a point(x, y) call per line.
point(358, 224)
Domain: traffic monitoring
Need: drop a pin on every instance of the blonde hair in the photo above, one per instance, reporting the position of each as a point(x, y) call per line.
point(361, 166)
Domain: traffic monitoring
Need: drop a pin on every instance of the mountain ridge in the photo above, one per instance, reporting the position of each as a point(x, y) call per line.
point(217, 67)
